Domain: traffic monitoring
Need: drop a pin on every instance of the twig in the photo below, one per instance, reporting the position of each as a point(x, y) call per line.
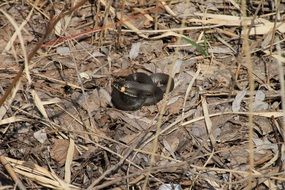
point(11, 172)
point(107, 172)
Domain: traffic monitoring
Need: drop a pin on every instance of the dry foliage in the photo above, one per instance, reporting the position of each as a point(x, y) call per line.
point(220, 128)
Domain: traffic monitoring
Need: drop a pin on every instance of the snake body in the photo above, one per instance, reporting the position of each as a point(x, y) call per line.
point(140, 89)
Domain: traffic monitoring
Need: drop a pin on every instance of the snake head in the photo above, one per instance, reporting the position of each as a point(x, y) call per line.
point(123, 88)
point(118, 85)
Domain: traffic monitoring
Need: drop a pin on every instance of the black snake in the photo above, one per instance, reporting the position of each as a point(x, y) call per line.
point(139, 89)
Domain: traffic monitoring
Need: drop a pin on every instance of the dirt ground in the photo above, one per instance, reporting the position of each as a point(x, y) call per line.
point(220, 128)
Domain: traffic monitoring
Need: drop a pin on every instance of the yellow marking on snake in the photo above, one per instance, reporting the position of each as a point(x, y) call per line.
point(123, 89)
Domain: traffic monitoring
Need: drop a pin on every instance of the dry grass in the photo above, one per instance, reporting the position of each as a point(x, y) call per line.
point(221, 128)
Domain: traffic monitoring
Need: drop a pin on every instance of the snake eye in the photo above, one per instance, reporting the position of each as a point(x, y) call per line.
point(117, 86)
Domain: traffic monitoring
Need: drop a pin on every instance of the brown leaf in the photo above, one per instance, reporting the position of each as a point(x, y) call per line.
point(176, 106)
point(59, 151)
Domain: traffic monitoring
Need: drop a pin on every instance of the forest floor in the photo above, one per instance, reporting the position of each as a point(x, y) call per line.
point(220, 128)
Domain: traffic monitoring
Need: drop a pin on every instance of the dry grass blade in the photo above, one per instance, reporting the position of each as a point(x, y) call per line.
point(12, 173)
point(234, 4)
point(267, 182)
point(262, 114)
point(280, 58)
point(280, 63)
point(272, 161)
point(249, 63)
point(39, 104)
point(19, 34)
point(124, 20)
point(12, 119)
point(177, 29)
point(261, 26)
point(57, 81)
point(208, 121)
point(51, 101)
point(167, 8)
point(69, 158)
point(19, 29)
point(16, 83)
point(39, 174)
point(189, 89)
point(3, 108)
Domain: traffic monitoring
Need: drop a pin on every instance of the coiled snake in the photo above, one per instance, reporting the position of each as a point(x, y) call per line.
point(139, 89)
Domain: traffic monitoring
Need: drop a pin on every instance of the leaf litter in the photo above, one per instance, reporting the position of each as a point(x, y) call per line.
point(59, 129)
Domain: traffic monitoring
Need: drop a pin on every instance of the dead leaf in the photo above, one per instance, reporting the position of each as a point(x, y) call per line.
point(41, 135)
point(259, 104)
point(176, 105)
point(59, 151)
point(63, 50)
point(237, 101)
point(135, 49)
